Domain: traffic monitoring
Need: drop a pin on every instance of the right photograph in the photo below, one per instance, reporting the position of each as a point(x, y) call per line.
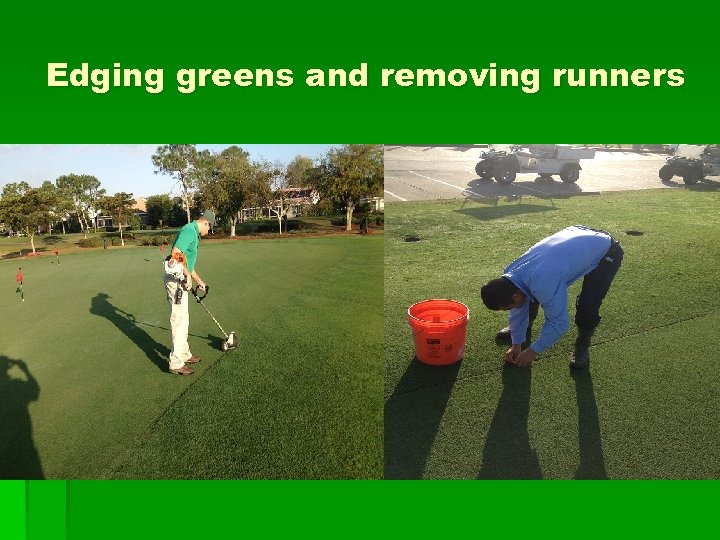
point(551, 311)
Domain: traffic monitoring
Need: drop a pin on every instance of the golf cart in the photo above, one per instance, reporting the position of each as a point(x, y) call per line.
point(693, 162)
point(542, 159)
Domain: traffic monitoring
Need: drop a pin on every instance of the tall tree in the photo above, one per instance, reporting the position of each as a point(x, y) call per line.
point(51, 193)
point(280, 203)
point(260, 192)
point(178, 161)
point(227, 186)
point(158, 209)
point(10, 211)
point(297, 172)
point(15, 189)
point(84, 191)
point(120, 208)
point(204, 170)
point(25, 208)
point(350, 173)
point(177, 212)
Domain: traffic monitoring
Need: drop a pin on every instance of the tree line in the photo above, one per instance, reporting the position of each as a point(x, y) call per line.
point(27, 209)
point(225, 182)
point(229, 181)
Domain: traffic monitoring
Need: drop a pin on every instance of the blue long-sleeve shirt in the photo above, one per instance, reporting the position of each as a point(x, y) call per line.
point(544, 273)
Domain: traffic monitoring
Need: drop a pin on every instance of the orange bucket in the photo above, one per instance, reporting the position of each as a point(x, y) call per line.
point(439, 328)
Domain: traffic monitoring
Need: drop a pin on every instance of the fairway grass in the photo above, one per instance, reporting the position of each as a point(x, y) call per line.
point(299, 398)
point(647, 407)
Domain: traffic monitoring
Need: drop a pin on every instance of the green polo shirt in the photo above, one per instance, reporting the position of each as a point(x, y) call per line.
point(188, 241)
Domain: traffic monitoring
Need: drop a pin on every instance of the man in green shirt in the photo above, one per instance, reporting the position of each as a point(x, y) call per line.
point(179, 273)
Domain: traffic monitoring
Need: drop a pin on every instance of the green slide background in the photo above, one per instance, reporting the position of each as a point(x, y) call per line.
point(341, 35)
point(334, 35)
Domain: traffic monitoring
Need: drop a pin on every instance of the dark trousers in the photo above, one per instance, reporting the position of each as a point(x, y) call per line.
point(534, 308)
point(595, 287)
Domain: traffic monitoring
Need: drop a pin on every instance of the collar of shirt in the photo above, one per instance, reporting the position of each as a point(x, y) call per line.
point(520, 286)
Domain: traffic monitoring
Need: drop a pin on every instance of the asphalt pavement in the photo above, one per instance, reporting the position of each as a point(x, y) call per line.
point(414, 173)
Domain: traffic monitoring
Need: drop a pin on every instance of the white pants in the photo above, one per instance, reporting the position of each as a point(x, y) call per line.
point(179, 323)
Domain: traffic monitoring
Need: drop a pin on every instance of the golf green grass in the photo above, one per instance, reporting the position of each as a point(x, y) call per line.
point(299, 398)
point(646, 408)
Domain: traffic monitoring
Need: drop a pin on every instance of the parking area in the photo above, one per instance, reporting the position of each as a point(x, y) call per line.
point(414, 173)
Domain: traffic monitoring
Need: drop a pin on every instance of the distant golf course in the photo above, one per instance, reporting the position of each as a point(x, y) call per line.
point(83, 363)
point(646, 408)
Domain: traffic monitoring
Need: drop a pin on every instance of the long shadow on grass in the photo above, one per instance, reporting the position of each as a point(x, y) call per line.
point(125, 322)
point(19, 459)
point(487, 213)
point(507, 453)
point(539, 187)
point(592, 462)
point(23, 253)
point(413, 415)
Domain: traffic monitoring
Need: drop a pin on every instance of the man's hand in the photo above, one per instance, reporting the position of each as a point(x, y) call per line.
point(512, 353)
point(525, 358)
point(200, 283)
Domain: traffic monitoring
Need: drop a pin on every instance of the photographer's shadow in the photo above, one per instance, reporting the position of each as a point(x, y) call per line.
point(507, 453)
point(413, 415)
point(592, 462)
point(19, 459)
point(125, 322)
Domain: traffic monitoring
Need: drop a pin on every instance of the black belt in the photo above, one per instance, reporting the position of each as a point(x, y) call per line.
point(614, 244)
point(614, 247)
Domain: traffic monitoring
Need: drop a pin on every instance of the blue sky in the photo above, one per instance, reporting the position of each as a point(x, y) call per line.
point(120, 167)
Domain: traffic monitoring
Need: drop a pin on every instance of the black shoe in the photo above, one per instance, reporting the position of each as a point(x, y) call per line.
point(580, 358)
point(503, 336)
point(581, 354)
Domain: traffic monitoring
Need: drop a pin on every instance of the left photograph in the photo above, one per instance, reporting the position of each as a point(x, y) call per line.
point(201, 311)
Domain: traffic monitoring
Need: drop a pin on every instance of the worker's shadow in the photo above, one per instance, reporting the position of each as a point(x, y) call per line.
point(592, 462)
point(125, 322)
point(507, 453)
point(413, 415)
point(19, 459)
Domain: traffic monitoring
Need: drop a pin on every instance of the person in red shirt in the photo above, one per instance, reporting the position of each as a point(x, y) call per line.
point(19, 280)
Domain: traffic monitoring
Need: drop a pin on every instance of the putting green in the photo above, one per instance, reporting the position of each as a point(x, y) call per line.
point(620, 419)
point(646, 407)
point(93, 333)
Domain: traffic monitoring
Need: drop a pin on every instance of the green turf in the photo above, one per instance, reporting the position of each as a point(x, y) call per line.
point(647, 406)
point(299, 398)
